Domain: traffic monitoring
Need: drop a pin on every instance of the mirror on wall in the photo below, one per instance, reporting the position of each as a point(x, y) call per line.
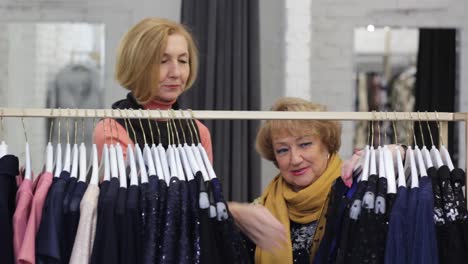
point(385, 72)
point(53, 65)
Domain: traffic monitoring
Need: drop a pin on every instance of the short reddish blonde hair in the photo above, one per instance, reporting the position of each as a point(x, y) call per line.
point(329, 132)
point(140, 52)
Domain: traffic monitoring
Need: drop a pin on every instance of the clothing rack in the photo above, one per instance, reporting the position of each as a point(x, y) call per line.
point(443, 117)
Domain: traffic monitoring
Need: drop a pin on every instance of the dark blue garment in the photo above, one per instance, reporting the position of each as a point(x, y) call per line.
point(451, 245)
point(72, 217)
point(209, 252)
point(424, 249)
point(349, 225)
point(144, 188)
point(68, 194)
point(457, 177)
point(171, 229)
point(185, 250)
point(120, 223)
point(411, 215)
point(335, 212)
point(132, 227)
point(381, 218)
point(195, 221)
point(105, 247)
point(9, 168)
point(231, 246)
point(152, 219)
point(103, 187)
point(364, 249)
point(50, 236)
point(395, 250)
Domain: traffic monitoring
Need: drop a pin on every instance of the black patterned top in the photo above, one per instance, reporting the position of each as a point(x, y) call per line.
point(301, 239)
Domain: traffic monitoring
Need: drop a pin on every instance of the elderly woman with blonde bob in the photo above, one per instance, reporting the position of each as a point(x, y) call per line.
point(157, 61)
point(287, 222)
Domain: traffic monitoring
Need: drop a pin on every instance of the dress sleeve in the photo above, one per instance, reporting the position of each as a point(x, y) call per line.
point(205, 138)
point(110, 131)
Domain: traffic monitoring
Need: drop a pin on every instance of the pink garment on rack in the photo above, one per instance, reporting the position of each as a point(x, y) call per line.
point(24, 197)
point(27, 252)
point(121, 136)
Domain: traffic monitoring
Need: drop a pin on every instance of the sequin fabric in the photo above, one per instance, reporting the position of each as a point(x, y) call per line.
point(171, 229)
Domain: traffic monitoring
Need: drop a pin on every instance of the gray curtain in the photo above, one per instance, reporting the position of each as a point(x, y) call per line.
point(227, 36)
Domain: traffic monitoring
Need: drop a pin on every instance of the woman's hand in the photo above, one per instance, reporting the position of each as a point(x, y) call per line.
point(259, 225)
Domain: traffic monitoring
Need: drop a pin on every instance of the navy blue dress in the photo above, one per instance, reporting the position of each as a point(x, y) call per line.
point(195, 221)
point(395, 250)
point(132, 227)
point(152, 220)
point(105, 247)
point(413, 197)
point(50, 236)
point(185, 250)
point(72, 217)
point(171, 228)
point(424, 249)
point(120, 217)
point(9, 168)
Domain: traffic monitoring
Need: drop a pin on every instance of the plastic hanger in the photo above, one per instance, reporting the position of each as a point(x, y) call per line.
point(445, 155)
point(155, 152)
point(147, 155)
point(162, 156)
point(3, 145)
point(112, 154)
point(94, 159)
point(105, 163)
point(180, 169)
point(170, 153)
point(368, 200)
point(27, 167)
point(131, 161)
point(83, 162)
point(75, 154)
point(398, 170)
point(58, 154)
point(425, 151)
point(67, 162)
point(140, 160)
point(196, 152)
point(120, 160)
point(435, 156)
point(185, 161)
point(49, 155)
point(411, 170)
point(418, 155)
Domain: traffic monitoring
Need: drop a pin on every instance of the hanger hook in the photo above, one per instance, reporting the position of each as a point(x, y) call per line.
point(141, 125)
point(51, 124)
point(157, 125)
point(180, 125)
point(188, 125)
point(59, 125)
point(372, 128)
point(149, 125)
point(83, 126)
point(115, 126)
point(119, 110)
point(131, 125)
point(68, 125)
point(420, 129)
point(24, 127)
point(438, 128)
point(1, 123)
point(429, 129)
point(412, 130)
point(193, 125)
point(395, 132)
point(172, 113)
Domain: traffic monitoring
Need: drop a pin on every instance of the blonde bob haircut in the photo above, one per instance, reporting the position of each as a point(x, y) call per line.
point(140, 52)
point(329, 132)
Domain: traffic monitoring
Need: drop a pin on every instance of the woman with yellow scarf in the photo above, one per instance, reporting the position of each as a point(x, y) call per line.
point(288, 220)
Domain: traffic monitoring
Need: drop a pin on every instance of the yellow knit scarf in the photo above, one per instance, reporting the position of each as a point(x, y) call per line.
point(301, 207)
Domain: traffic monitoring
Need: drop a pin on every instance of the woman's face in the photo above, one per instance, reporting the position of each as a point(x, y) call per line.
point(301, 159)
point(174, 69)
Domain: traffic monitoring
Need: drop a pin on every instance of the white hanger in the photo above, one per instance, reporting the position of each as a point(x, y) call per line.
point(420, 162)
point(132, 163)
point(141, 164)
point(74, 167)
point(164, 163)
point(121, 165)
point(3, 145)
point(67, 162)
point(178, 163)
point(83, 163)
point(113, 157)
point(27, 171)
point(49, 158)
point(105, 161)
point(401, 170)
point(157, 162)
point(58, 160)
point(410, 168)
point(188, 170)
point(147, 155)
point(191, 159)
point(446, 157)
point(95, 172)
point(425, 151)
